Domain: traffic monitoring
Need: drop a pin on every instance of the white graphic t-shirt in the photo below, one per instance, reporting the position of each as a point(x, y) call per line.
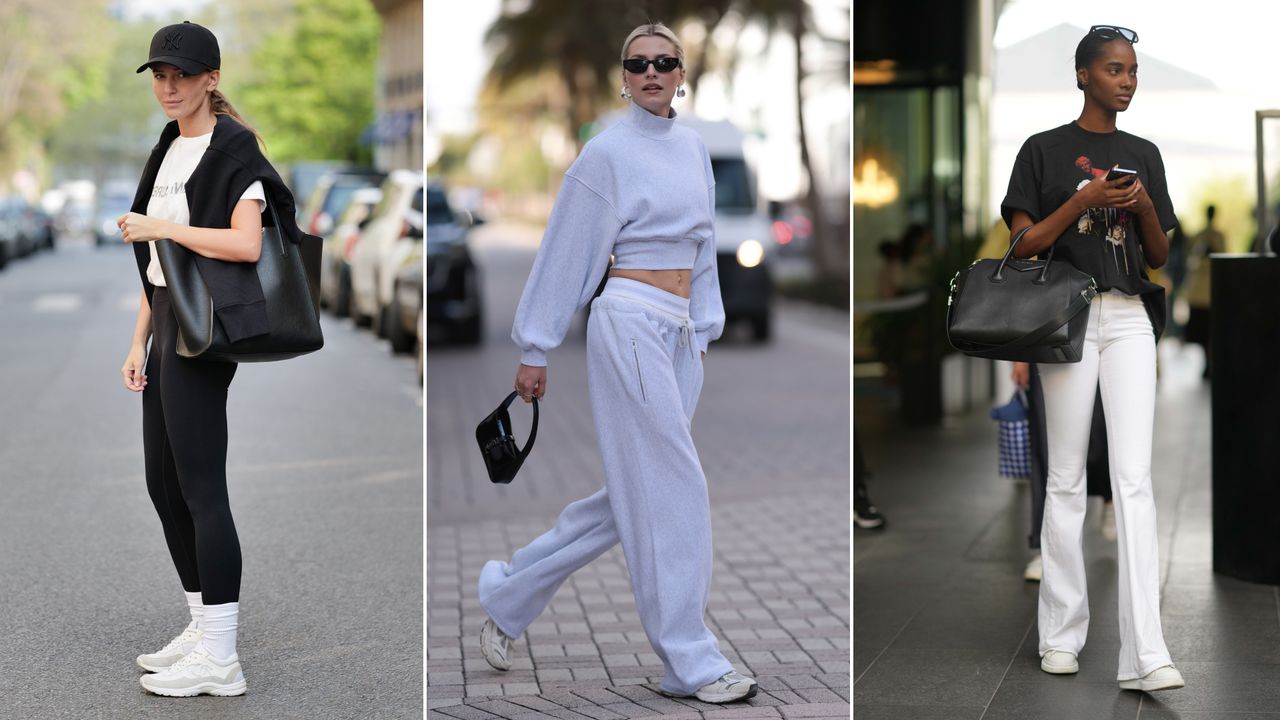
point(169, 194)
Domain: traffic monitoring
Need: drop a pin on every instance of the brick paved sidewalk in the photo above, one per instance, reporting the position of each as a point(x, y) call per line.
point(779, 605)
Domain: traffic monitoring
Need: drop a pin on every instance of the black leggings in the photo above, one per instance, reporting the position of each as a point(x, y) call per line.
point(184, 440)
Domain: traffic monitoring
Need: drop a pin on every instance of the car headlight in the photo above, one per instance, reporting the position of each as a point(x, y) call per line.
point(750, 253)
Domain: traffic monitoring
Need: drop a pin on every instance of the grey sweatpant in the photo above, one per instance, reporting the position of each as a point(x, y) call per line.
point(645, 374)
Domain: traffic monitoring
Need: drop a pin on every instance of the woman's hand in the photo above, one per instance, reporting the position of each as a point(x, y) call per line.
point(135, 227)
point(134, 364)
point(531, 382)
point(1021, 375)
point(1103, 193)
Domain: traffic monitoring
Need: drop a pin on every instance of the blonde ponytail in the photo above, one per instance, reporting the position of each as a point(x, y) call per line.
point(221, 106)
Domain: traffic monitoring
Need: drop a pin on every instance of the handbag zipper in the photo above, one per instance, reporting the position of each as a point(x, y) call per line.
point(635, 352)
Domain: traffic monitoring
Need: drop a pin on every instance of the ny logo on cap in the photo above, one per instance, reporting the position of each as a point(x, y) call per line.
point(173, 40)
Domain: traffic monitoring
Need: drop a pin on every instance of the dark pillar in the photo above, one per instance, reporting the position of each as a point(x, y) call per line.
point(1245, 332)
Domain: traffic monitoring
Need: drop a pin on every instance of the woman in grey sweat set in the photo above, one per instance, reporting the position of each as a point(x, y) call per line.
point(643, 191)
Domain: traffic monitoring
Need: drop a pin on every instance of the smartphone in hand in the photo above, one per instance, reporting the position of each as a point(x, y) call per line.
point(1119, 172)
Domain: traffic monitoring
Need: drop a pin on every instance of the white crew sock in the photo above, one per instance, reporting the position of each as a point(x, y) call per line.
point(195, 603)
point(219, 625)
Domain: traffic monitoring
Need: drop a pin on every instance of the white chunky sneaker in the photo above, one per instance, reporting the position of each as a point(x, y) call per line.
point(197, 673)
point(184, 643)
point(1059, 662)
point(1162, 678)
point(731, 686)
point(495, 646)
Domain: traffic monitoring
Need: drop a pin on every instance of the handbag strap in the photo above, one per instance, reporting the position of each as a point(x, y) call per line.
point(998, 276)
point(533, 431)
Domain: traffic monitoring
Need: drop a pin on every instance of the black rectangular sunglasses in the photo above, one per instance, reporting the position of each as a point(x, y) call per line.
point(1115, 31)
point(662, 64)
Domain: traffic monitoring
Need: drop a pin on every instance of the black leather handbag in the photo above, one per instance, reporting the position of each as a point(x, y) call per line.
point(1020, 310)
point(502, 458)
point(290, 277)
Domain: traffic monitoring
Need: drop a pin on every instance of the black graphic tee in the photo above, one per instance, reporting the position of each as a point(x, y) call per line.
point(1104, 242)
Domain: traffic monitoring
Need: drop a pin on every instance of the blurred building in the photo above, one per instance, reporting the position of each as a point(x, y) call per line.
point(397, 131)
point(922, 85)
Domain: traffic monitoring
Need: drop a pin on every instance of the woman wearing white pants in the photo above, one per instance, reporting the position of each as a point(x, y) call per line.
point(1109, 224)
point(642, 191)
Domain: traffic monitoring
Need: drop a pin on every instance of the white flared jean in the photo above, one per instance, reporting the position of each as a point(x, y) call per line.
point(645, 374)
point(1120, 359)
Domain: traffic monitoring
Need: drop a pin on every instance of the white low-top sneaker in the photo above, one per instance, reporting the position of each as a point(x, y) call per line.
point(1034, 570)
point(1059, 662)
point(1162, 678)
point(729, 687)
point(197, 673)
point(495, 646)
point(184, 643)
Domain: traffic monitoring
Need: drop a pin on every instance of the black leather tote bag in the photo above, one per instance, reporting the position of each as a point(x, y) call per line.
point(502, 458)
point(1020, 310)
point(290, 278)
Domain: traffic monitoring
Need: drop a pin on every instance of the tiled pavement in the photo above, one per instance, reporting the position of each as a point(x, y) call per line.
point(945, 626)
point(777, 464)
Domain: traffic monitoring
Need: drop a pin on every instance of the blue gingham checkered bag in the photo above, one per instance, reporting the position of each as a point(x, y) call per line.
point(1015, 437)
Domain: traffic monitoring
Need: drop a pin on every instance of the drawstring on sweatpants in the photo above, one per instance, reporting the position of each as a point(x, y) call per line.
point(686, 338)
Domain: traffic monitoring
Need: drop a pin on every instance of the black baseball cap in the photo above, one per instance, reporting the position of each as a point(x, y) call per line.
point(187, 46)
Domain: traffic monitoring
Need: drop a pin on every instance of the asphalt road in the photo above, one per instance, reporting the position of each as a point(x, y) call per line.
point(325, 473)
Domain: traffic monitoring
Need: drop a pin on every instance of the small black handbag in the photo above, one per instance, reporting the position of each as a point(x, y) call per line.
point(1020, 310)
point(502, 458)
point(290, 277)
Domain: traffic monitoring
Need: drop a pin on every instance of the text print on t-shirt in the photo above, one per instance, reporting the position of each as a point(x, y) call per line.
point(174, 188)
point(1109, 224)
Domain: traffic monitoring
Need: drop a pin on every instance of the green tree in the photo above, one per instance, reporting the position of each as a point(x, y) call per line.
point(51, 59)
point(310, 89)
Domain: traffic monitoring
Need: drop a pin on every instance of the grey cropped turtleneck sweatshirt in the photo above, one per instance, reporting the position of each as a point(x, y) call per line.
point(641, 190)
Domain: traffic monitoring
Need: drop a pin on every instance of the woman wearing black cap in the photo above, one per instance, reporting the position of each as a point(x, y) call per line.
point(204, 189)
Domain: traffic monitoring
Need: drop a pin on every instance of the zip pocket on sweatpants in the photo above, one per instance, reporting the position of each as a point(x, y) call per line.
point(635, 352)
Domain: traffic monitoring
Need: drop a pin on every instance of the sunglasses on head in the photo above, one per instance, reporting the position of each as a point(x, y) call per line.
point(662, 64)
point(1111, 32)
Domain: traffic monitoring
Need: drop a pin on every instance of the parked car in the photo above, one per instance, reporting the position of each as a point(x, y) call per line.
point(21, 226)
point(454, 308)
point(745, 239)
point(331, 194)
point(406, 296)
point(335, 258)
point(302, 180)
point(113, 202)
point(379, 252)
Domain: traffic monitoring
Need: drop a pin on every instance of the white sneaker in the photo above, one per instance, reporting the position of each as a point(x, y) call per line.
point(1034, 570)
point(1059, 662)
point(495, 645)
point(730, 687)
point(1162, 678)
point(184, 643)
point(1109, 521)
point(197, 673)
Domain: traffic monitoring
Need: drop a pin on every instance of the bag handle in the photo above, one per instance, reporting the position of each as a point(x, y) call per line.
point(998, 276)
point(533, 431)
point(275, 222)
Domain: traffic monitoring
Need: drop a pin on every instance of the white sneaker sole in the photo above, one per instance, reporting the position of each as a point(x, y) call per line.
point(206, 688)
point(1145, 686)
point(1071, 669)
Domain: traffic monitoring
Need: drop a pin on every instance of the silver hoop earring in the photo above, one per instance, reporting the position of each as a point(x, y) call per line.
point(624, 94)
point(680, 91)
